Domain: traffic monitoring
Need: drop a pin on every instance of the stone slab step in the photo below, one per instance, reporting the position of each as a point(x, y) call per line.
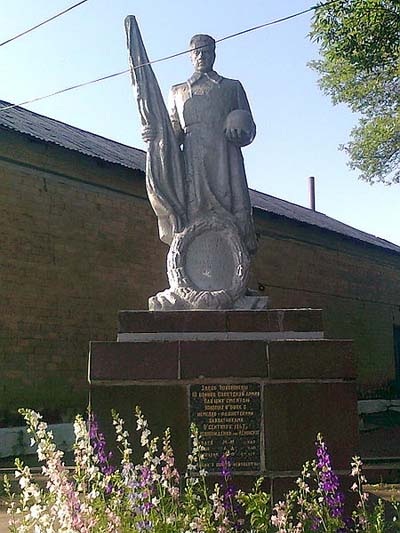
point(188, 360)
point(135, 326)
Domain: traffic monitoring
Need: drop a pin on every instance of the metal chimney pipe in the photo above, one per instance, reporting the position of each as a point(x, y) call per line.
point(311, 188)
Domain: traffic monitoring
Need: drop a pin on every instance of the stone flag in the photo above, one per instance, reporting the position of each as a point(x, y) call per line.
point(164, 165)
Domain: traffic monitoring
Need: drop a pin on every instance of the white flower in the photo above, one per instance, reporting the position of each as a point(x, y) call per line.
point(93, 494)
point(35, 511)
point(23, 482)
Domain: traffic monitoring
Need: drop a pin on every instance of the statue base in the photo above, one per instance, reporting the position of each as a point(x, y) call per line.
point(186, 299)
point(260, 384)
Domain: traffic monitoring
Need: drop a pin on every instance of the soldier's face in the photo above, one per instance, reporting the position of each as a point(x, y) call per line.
point(202, 57)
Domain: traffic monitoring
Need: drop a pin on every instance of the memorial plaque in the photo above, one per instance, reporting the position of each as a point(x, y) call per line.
point(228, 417)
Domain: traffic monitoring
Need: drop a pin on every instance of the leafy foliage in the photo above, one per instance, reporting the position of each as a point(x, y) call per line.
point(359, 44)
point(257, 505)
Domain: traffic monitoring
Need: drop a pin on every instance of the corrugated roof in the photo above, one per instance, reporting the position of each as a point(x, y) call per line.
point(279, 207)
point(52, 131)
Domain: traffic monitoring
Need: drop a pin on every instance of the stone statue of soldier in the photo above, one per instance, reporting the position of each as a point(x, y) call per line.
point(202, 112)
point(196, 180)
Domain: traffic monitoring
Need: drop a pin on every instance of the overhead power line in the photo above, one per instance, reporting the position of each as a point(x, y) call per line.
point(42, 23)
point(277, 21)
point(231, 36)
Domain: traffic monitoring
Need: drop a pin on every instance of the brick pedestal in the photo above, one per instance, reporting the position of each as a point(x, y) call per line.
point(306, 383)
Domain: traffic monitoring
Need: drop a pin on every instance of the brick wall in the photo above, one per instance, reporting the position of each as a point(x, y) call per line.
point(73, 254)
point(79, 242)
point(357, 286)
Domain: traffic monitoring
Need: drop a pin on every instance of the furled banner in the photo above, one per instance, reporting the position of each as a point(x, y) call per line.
point(164, 166)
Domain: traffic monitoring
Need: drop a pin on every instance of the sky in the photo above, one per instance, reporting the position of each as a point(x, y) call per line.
point(298, 129)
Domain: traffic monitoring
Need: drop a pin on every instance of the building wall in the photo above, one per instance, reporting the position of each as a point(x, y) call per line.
point(79, 243)
point(357, 286)
point(73, 254)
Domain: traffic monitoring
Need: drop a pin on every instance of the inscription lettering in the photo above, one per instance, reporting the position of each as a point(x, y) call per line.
point(229, 418)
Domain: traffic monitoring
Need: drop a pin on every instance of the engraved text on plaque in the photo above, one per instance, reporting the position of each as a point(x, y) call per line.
point(228, 417)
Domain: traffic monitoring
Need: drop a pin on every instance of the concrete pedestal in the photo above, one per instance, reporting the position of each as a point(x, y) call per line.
point(179, 365)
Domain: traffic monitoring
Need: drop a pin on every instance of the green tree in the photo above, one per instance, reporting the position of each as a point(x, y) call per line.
point(359, 44)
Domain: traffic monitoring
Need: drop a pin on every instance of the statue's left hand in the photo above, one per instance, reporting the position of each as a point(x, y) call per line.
point(237, 136)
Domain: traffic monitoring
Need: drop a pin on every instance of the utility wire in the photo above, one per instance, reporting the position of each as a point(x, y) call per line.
point(43, 23)
point(277, 21)
point(231, 36)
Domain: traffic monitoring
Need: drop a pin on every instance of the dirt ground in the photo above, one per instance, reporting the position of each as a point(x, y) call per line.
point(384, 492)
point(3, 520)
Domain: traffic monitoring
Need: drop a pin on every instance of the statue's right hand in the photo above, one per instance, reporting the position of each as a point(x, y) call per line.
point(149, 133)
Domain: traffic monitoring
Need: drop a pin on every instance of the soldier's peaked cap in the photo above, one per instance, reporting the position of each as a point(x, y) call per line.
point(202, 39)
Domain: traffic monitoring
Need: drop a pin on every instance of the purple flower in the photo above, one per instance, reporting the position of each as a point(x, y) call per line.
point(328, 482)
point(144, 525)
point(146, 476)
point(230, 503)
point(98, 443)
point(315, 523)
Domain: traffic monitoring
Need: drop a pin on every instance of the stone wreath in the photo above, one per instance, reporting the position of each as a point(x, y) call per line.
point(207, 266)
